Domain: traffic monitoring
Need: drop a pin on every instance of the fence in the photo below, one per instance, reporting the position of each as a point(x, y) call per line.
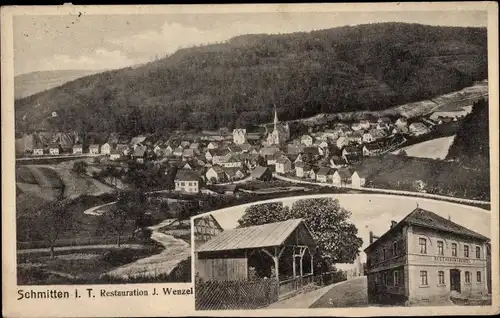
point(293, 284)
point(104, 240)
point(241, 294)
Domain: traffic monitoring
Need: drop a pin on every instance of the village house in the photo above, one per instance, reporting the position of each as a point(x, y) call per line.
point(220, 155)
point(367, 137)
point(106, 149)
point(400, 130)
point(294, 148)
point(261, 173)
point(94, 149)
point(195, 145)
point(136, 141)
point(401, 122)
point(313, 172)
point(185, 144)
point(54, 149)
point(123, 148)
point(158, 150)
point(239, 136)
point(189, 153)
point(187, 181)
point(234, 173)
point(234, 149)
point(298, 159)
point(77, 149)
point(205, 229)
point(212, 145)
point(233, 162)
point(245, 148)
point(178, 152)
point(283, 165)
point(425, 259)
point(301, 169)
point(139, 154)
point(418, 128)
point(350, 150)
point(358, 178)
point(371, 150)
point(306, 140)
point(114, 154)
point(323, 174)
point(453, 113)
point(38, 150)
point(215, 174)
point(377, 134)
point(341, 177)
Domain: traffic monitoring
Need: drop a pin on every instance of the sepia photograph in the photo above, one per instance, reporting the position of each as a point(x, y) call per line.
point(342, 250)
point(261, 157)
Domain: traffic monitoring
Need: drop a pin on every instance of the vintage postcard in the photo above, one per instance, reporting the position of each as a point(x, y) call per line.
point(250, 160)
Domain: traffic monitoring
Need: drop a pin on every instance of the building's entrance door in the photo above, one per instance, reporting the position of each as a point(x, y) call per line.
point(455, 280)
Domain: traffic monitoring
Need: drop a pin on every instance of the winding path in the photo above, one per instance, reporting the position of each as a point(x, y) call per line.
point(176, 250)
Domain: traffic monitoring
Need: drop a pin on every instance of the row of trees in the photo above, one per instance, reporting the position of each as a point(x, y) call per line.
point(366, 67)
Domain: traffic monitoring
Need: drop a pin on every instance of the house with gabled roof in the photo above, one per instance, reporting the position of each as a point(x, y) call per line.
point(106, 148)
point(372, 149)
point(283, 164)
point(234, 161)
point(358, 178)
point(114, 154)
point(261, 173)
point(215, 174)
point(323, 174)
point(205, 228)
point(187, 181)
point(94, 149)
point(139, 154)
point(234, 173)
point(54, 149)
point(77, 149)
point(220, 155)
point(426, 259)
point(341, 177)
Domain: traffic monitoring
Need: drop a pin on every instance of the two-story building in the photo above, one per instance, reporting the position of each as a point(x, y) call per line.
point(424, 259)
point(187, 181)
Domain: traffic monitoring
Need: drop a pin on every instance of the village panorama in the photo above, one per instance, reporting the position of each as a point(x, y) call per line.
point(360, 140)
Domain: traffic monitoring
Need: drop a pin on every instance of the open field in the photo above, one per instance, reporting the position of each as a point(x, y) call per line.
point(434, 149)
point(81, 266)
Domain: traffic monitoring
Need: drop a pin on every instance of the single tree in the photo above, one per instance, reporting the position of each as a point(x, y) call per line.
point(402, 152)
point(264, 213)
point(329, 223)
point(80, 167)
point(53, 219)
point(183, 210)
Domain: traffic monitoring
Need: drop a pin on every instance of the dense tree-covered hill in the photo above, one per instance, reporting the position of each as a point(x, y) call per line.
point(365, 67)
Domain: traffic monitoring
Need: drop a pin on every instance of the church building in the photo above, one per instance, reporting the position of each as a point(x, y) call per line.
point(280, 133)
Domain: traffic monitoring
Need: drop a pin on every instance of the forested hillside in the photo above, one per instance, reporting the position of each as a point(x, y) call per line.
point(366, 67)
point(471, 145)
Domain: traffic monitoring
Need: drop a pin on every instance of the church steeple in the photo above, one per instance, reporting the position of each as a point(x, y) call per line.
point(275, 118)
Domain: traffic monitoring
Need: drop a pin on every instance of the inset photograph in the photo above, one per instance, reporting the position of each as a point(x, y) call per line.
point(345, 250)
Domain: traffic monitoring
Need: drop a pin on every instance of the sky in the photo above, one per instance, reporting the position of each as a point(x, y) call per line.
point(98, 42)
point(374, 212)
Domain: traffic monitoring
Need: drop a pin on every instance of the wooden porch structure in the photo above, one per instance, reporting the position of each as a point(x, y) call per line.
point(288, 247)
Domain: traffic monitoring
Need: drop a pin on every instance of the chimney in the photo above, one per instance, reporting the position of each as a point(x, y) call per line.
point(371, 237)
point(393, 223)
